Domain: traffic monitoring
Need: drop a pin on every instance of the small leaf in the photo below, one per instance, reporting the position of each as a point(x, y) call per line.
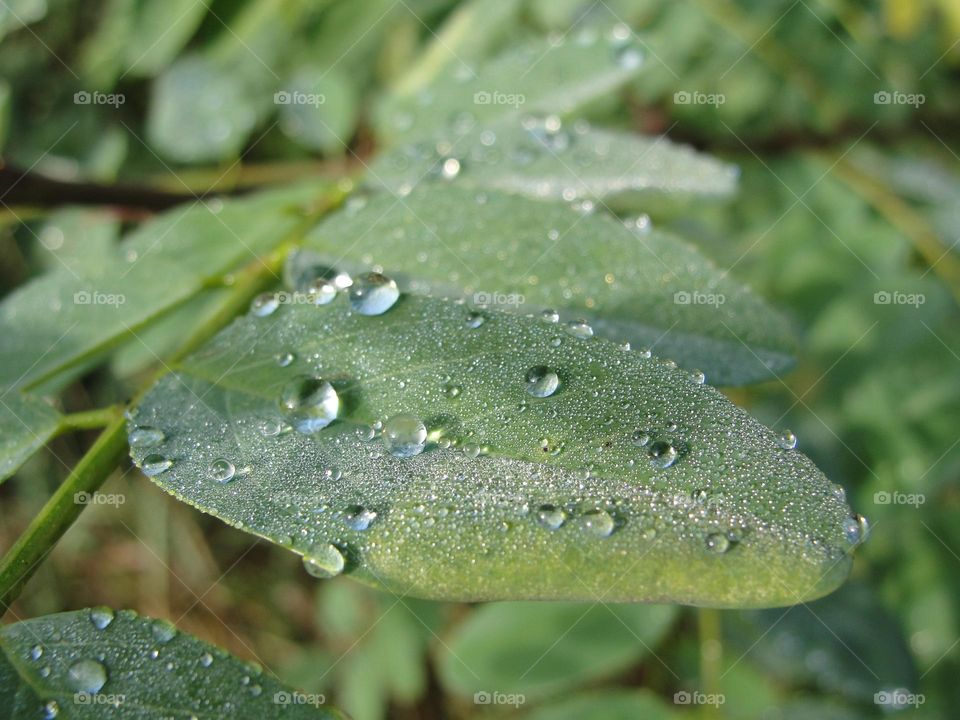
point(26, 424)
point(646, 287)
point(68, 316)
point(97, 663)
point(539, 649)
point(544, 160)
point(546, 465)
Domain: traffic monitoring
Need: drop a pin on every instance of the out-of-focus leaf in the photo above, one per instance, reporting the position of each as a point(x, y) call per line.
point(70, 315)
point(97, 664)
point(26, 424)
point(318, 109)
point(545, 161)
point(658, 489)
point(537, 78)
point(4, 111)
point(17, 14)
point(159, 31)
point(644, 286)
point(607, 704)
point(538, 649)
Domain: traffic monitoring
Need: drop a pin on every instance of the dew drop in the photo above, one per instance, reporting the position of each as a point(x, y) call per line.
point(87, 676)
point(221, 470)
point(579, 329)
point(787, 440)
point(321, 291)
point(358, 517)
point(450, 169)
point(718, 543)
point(101, 617)
point(542, 381)
point(629, 57)
point(598, 523)
point(452, 391)
point(36, 652)
point(551, 517)
point(270, 427)
point(474, 320)
point(163, 631)
point(324, 562)
point(550, 316)
point(284, 359)
point(404, 436)
point(264, 304)
point(373, 294)
point(145, 436)
point(662, 454)
point(309, 403)
point(640, 438)
point(155, 464)
point(698, 377)
point(855, 529)
point(51, 709)
point(206, 660)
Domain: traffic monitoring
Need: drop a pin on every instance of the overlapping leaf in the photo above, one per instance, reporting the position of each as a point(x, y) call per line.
point(26, 424)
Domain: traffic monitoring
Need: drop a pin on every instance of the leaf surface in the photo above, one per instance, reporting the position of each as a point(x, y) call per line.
point(26, 424)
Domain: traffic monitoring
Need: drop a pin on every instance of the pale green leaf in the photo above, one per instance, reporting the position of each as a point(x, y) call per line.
point(26, 424)
point(318, 109)
point(454, 525)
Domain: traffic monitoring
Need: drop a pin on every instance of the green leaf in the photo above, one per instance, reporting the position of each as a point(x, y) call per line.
point(97, 663)
point(17, 14)
point(158, 32)
point(65, 317)
point(646, 287)
point(540, 77)
point(318, 109)
point(469, 518)
point(609, 704)
point(26, 424)
point(540, 649)
point(543, 161)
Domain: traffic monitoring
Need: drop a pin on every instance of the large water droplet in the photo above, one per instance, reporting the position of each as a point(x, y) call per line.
point(579, 329)
point(309, 403)
point(598, 522)
point(787, 440)
point(640, 438)
point(321, 291)
point(51, 709)
point(358, 517)
point(145, 436)
point(718, 543)
point(855, 529)
point(284, 359)
point(206, 660)
point(101, 617)
point(155, 464)
point(474, 320)
point(324, 562)
point(373, 294)
point(163, 631)
point(550, 316)
point(36, 652)
point(221, 470)
point(542, 381)
point(662, 454)
point(264, 304)
point(404, 436)
point(551, 517)
point(87, 676)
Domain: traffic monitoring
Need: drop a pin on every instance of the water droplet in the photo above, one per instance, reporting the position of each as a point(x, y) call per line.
point(855, 529)
point(628, 57)
point(221, 470)
point(474, 320)
point(579, 329)
point(51, 709)
point(36, 652)
point(155, 464)
point(87, 676)
point(101, 617)
point(718, 543)
point(452, 391)
point(373, 294)
point(550, 316)
point(309, 403)
point(699, 377)
point(145, 436)
point(787, 440)
point(163, 631)
point(358, 517)
point(542, 381)
point(264, 304)
point(270, 427)
point(551, 517)
point(324, 562)
point(321, 291)
point(640, 438)
point(450, 168)
point(284, 359)
point(662, 454)
point(206, 660)
point(598, 522)
point(404, 436)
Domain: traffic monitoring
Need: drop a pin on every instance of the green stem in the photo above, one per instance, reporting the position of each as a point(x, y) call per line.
point(60, 511)
point(88, 419)
point(711, 656)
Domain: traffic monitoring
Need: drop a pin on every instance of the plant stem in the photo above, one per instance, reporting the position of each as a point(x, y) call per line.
point(711, 655)
point(60, 511)
point(88, 419)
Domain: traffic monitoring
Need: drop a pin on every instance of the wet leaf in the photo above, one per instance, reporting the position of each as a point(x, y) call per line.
point(526, 462)
point(26, 424)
